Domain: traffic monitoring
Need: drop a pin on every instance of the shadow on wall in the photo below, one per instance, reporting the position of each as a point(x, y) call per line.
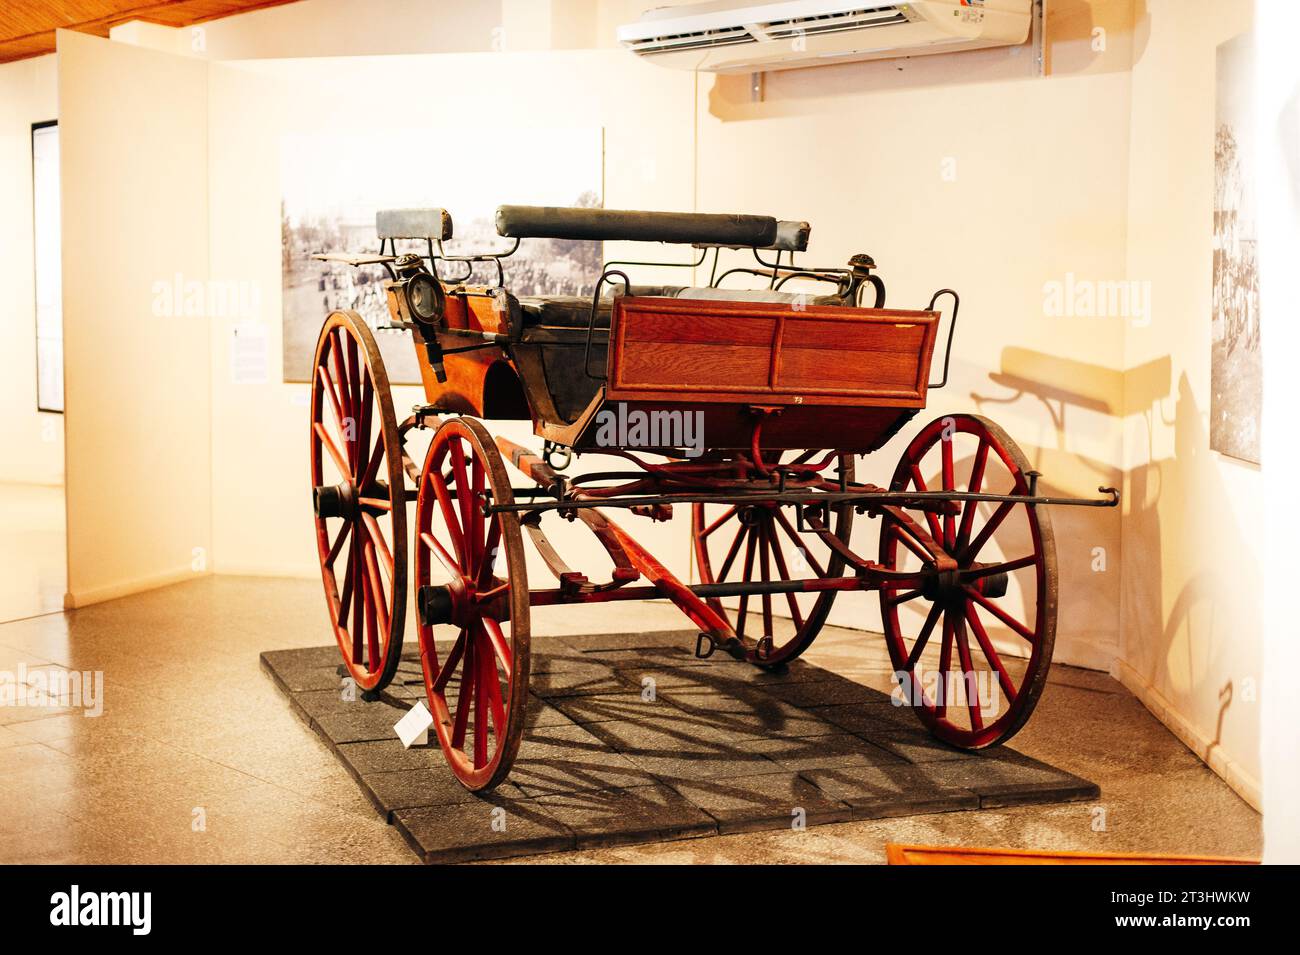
point(1088, 539)
point(1083, 37)
point(1174, 644)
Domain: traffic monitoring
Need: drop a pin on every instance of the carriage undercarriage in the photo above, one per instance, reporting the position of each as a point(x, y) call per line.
point(965, 571)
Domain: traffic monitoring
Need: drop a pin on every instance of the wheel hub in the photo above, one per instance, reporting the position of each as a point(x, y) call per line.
point(337, 500)
point(460, 602)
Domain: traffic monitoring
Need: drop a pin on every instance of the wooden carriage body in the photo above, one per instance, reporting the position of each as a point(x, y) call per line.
point(821, 374)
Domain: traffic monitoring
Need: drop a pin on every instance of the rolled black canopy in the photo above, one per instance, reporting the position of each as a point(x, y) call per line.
point(611, 225)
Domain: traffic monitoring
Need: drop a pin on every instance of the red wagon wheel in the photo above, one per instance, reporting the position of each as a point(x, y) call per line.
point(470, 575)
point(762, 542)
point(356, 472)
point(972, 647)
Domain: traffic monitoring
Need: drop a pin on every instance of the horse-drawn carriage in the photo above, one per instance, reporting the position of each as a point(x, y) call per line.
point(746, 406)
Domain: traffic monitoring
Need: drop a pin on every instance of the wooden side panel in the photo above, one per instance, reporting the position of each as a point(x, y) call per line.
point(769, 353)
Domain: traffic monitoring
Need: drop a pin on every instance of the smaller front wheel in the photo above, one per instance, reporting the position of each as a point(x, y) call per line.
point(471, 586)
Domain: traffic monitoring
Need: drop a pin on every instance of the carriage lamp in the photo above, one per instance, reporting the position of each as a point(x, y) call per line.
point(416, 297)
point(424, 298)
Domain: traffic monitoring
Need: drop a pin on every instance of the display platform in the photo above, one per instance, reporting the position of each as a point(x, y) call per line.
point(633, 739)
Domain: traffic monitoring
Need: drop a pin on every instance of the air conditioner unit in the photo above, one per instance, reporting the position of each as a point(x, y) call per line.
point(726, 36)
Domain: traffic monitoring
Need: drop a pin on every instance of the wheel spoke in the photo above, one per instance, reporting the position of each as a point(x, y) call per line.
point(449, 668)
point(381, 545)
point(945, 667)
point(976, 483)
point(903, 598)
point(480, 702)
point(487, 563)
point(500, 646)
point(379, 599)
point(340, 376)
point(923, 637)
point(362, 442)
point(972, 550)
point(335, 454)
point(718, 523)
point(990, 654)
point(449, 516)
point(931, 518)
point(327, 386)
point(949, 520)
point(448, 562)
point(743, 612)
point(969, 679)
point(799, 544)
point(495, 705)
point(1004, 568)
point(354, 383)
point(359, 587)
point(1001, 614)
point(741, 535)
point(475, 512)
point(372, 464)
point(464, 699)
point(466, 501)
point(345, 533)
point(795, 614)
point(765, 572)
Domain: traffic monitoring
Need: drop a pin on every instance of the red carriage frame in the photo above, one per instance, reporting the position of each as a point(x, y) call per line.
point(789, 389)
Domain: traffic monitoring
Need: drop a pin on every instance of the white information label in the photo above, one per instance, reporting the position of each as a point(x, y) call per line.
point(413, 728)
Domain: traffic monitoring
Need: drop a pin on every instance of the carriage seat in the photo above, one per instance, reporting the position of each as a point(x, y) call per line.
point(574, 311)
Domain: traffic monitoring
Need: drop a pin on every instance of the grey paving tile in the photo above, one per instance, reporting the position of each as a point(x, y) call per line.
point(538, 712)
point(389, 756)
point(647, 657)
point(316, 703)
point(823, 752)
point(415, 788)
point(492, 827)
point(1006, 777)
point(894, 729)
point(626, 704)
point(674, 753)
point(549, 777)
point(621, 816)
point(898, 789)
point(359, 724)
point(629, 641)
point(574, 678)
point(768, 801)
point(837, 691)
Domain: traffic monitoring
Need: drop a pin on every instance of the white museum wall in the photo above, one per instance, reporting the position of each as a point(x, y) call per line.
point(32, 440)
point(137, 389)
point(261, 504)
point(1278, 81)
point(1191, 633)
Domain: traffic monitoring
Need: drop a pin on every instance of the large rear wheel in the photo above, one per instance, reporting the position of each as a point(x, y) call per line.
point(971, 648)
point(359, 499)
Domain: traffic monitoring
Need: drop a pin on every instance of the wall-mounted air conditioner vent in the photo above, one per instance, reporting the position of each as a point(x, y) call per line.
point(727, 36)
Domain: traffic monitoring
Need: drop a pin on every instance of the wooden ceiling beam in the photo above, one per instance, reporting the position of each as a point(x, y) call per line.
point(27, 26)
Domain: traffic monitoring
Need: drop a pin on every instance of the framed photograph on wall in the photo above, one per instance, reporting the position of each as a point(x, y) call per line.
point(48, 252)
point(333, 184)
point(1236, 370)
